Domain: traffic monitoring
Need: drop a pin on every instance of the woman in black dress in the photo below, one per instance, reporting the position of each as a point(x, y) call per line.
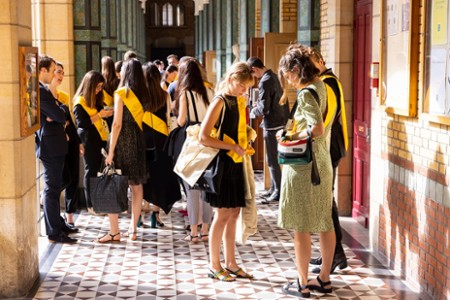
point(89, 117)
point(233, 142)
point(162, 189)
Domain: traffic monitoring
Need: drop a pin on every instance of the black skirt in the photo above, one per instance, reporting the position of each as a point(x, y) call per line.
point(232, 189)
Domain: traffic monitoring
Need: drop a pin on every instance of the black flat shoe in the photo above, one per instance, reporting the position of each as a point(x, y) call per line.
point(299, 289)
point(69, 229)
point(321, 288)
point(316, 261)
point(61, 238)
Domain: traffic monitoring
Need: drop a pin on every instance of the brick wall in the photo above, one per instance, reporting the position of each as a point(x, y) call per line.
point(414, 214)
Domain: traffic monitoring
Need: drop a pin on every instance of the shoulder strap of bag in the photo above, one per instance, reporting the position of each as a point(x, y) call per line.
point(222, 114)
point(194, 106)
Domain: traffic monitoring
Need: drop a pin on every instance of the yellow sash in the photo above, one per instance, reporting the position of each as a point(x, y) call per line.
point(64, 98)
point(153, 121)
point(242, 131)
point(100, 124)
point(331, 106)
point(343, 117)
point(108, 99)
point(132, 103)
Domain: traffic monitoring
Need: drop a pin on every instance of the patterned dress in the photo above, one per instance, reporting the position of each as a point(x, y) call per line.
point(305, 207)
point(232, 188)
point(129, 155)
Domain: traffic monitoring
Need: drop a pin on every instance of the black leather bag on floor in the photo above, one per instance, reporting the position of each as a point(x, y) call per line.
point(109, 191)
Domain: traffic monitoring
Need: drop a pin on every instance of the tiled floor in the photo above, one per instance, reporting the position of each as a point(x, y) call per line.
point(161, 265)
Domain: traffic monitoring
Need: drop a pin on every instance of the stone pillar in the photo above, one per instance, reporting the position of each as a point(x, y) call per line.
point(220, 38)
point(231, 31)
point(308, 19)
point(53, 34)
point(197, 41)
point(206, 21)
point(19, 258)
point(200, 35)
point(247, 26)
point(109, 28)
point(288, 16)
point(211, 25)
point(270, 16)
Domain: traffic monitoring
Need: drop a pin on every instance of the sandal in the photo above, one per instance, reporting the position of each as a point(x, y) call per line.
point(221, 275)
point(111, 240)
point(296, 284)
point(203, 237)
point(191, 238)
point(131, 235)
point(239, 273)
point(321, 288)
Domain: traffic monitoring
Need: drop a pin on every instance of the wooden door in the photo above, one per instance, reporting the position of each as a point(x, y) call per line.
point(361, 112)
point(275, 45)
point(257, 49)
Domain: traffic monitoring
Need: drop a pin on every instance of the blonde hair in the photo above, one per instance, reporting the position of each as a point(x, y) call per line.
point(238, 71)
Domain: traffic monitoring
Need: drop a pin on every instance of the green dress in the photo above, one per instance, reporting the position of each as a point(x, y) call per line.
point(305, 207)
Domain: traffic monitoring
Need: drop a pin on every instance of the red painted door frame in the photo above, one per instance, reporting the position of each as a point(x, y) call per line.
point(362, 111)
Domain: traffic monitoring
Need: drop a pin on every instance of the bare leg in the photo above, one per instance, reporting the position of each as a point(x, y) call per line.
point(302, 246)
point(137, 193)
point(220, 220)
point(327, 244)
point(229, 240)
point(113, 228)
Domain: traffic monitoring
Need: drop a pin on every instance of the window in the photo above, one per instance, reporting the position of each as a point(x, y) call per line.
point(180, 15)
point(437, 59)
point(167, 16)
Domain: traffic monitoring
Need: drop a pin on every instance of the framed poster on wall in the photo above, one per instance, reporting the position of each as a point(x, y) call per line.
point(399, 56)
point(29, 90)
point(437, 59)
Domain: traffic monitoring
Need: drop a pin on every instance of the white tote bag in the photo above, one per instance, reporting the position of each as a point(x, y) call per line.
point(194, 158)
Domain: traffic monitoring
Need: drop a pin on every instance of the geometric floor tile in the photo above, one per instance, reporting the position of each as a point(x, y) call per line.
point(161, 265)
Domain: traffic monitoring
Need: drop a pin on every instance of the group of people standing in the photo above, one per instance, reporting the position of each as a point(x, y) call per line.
point(127, 115)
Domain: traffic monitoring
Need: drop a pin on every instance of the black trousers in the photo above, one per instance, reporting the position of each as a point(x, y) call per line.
point(53, 177)
point(335, 216)
point(92, 165)
point(270, 140)
point(71, 175)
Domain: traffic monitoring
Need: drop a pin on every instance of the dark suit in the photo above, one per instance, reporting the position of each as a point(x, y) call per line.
point(51, 150)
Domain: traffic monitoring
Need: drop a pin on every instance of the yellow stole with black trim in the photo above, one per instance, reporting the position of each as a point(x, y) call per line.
point(100, 124)
point(64, 98)
point(132, 103)
point(242, 130)
point(343, 116)
point(155, 122)
point(108, 99)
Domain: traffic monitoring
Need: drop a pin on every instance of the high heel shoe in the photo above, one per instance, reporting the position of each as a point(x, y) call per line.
point(154, 220)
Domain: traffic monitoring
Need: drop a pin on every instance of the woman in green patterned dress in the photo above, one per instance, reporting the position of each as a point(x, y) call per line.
point(304, 207)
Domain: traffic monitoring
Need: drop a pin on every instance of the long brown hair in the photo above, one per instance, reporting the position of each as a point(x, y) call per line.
point(158, 97)
point(109, 73)
point(132, 77)
point(87, 89)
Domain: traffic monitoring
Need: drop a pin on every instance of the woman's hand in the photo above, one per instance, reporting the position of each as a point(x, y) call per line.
point(105, 113)
point(238, 149)
point(109, 159)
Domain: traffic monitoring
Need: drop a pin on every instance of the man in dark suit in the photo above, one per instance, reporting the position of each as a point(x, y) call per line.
point(275, 116)
point(51, 150)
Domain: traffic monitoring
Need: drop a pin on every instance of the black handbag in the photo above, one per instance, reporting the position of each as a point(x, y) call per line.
point(109, 191)
point(177, 136)
point(211, 179)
